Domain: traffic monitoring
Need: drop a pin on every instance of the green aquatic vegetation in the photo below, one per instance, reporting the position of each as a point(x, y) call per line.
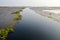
point(5, 31)
point(18, 16)
point(54, 19)
point(50, 17)
point(57, 20)
point(17, 12)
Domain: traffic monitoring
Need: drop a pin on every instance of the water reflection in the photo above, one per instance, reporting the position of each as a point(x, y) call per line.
point(6, 18)
point(35, 27)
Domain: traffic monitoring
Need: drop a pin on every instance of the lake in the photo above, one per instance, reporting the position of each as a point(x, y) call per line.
point(33, 26)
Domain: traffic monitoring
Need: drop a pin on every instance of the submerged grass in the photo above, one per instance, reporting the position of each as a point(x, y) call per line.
point(5, 31)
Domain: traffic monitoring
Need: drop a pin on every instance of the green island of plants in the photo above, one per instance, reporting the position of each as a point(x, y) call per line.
point(18, 16)
point(5, 31)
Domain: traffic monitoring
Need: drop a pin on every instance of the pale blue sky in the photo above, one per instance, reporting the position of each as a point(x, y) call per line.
point(30, 3)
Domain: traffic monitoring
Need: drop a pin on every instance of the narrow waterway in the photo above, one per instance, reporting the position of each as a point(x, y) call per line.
point(35, 27)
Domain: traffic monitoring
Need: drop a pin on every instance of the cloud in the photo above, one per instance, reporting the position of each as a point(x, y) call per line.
point(30, 3)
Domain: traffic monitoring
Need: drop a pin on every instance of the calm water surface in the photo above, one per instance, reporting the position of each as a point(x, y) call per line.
point(35, 27)
point(6, 18)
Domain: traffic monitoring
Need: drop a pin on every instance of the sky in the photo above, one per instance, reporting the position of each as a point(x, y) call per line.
point(49, 3)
